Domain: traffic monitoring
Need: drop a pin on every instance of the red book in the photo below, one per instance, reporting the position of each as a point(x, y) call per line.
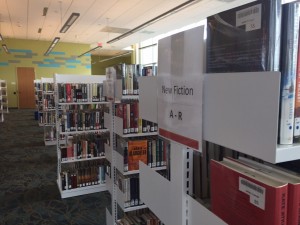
point(293, 210)
point(241, 195)
point(136, 116)
point(68, 92)
point(132, 117)
point(125, 118)
point(70, 153)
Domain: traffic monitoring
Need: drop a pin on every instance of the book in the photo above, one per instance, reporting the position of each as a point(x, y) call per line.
point(290, 30)
point(297, 99)
point(245, 38)
point(293, 210)
point(137, 151)
point(241, 195)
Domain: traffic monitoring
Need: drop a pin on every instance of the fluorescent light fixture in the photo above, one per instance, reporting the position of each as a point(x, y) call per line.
point(1, 38)
point(114, 57)
point(155, 19)
point(148, 46)
point(45, 10)
point(69, 22)
point(93, 49)
point(5, 48)
point(52, 45)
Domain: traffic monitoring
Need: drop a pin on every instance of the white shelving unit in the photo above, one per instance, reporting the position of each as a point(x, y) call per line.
point(116, 159)
point(170, 199)
point(247, 123)
point(39, 100)
point(38, 93)
point(61, 108)
point(3, 90)
point(48, 112)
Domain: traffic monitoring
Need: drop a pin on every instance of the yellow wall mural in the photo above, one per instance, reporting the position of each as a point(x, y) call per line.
point(30, 53)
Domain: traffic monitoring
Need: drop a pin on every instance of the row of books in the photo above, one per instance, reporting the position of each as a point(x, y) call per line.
point(47, 87)
point(48, 117)
point(130, 186)
point(83, 177)
point(148, 218)
point(129, 74)
point(149, 71)
point(151, 151)
point(70, 92)
point(129, 112)
point(87, 173)
point(48, 102)
point(81, 120)
point(244, 191)
point(83, 147)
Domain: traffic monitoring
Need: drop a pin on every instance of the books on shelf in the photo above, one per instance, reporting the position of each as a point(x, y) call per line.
point(82, 117)
point(142, 217)
point(289, 54)
point(75, 92)
point(80, 106)
point(293, 206)
point(149, 71)
point(129, 111)
point(83, 174)
point(241, 195)
point(83, 147)
point(150, 150)
point(131, 189)
point(245, 38)
point(48, 117)
point(128, 74)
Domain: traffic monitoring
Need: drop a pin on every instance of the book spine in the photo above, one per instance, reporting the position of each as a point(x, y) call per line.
point(132, 117)
point(297, 99)
point(149, 153)
point(281, 213)
point(128, 116)
point(290, 22)
point(68, 92)
point(125, 131)
point(293, 209)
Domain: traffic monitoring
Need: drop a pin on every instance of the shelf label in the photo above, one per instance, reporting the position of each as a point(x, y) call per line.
point(257, 193)
point(180, 109)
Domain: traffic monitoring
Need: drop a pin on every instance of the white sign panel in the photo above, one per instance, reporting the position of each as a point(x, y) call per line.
point(180, 110)
point(180, 81)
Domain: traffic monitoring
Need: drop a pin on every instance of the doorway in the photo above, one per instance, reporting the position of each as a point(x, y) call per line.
point(26, 96)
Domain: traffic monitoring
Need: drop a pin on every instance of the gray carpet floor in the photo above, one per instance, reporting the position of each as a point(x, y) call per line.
point(28, 173)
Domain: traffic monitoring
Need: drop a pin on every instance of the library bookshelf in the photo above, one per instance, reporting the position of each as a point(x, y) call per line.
point(81, 161)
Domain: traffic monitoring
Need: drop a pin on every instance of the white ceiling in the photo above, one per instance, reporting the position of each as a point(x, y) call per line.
point(21, 19)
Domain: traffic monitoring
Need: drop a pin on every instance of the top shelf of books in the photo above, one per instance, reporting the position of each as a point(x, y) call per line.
point(73, 89)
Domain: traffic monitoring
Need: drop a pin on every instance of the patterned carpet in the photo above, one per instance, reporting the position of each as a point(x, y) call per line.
point(28, 189)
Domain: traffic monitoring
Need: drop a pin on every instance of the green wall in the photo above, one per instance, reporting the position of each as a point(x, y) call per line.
point(98, 68)
point(30, 53)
